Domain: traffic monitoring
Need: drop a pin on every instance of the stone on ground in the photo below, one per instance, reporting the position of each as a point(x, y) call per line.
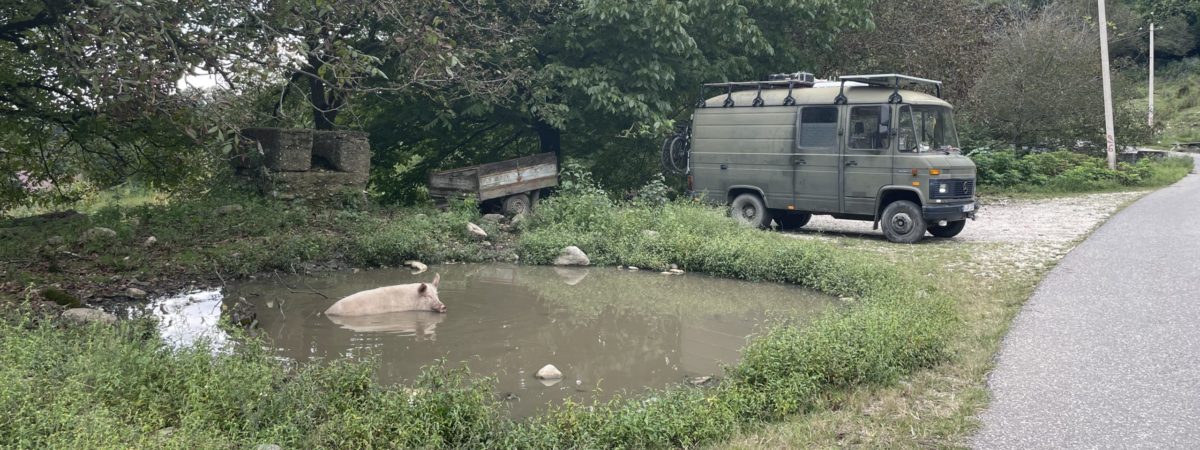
point(84, 316)
point(98, 234)
point(476, 232)
point(572, 256)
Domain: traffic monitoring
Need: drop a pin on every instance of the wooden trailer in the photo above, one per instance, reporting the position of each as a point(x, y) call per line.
point(514, 184)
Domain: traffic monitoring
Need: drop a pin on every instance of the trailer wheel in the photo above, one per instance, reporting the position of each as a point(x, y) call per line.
point(750, 210)
point(517, 204)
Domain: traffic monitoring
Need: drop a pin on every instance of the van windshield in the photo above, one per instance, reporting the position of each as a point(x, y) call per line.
point(926, 128)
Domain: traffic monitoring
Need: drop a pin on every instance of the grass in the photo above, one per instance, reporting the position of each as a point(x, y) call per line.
point(91, 202)
point(196, 241)
point(1176, 103)
point(935, 407)
point(903, 366)
point(132, 388)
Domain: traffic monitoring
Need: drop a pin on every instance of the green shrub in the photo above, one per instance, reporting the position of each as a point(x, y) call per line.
point(1065, 171)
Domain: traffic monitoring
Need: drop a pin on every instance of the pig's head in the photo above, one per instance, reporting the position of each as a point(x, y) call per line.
point(429, 295)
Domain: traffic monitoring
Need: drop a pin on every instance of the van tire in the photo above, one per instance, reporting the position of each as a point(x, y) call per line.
point(950, 230)
point(792, 220)
point(749, 209)
point(902, 222)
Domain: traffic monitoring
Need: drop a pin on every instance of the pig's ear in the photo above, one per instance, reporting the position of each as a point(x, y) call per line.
point(421, 289)
point(437, 278)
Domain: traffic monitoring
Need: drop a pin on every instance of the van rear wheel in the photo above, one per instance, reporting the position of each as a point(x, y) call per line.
point(750, 210)
point(903, 223)
point(950, 230)
point(793, 220)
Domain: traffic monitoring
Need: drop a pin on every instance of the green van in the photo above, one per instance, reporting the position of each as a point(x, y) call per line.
point(866, 147)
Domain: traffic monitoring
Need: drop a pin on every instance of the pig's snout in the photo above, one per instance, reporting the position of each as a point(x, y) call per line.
point(440, 308)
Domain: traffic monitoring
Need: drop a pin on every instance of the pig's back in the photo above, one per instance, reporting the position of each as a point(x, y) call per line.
point(373, 301)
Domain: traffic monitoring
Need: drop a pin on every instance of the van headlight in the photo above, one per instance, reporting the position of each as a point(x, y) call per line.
point(941, 188)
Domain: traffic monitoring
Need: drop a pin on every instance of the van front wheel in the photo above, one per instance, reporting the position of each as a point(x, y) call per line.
point(750, 210)
point(903, 223)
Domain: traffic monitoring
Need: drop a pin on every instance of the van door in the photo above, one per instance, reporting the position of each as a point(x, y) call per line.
point(817, 162)
point(866, 157)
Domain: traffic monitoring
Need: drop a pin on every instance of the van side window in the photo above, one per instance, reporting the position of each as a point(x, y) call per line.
point(869, 127)
point(818, 127)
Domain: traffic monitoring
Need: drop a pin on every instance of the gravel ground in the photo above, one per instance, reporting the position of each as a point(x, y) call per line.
point(1008, 234)
point(1016, 221)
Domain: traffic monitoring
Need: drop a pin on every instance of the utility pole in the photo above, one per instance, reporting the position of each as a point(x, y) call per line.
point(1109, 136)
point(1150, 119)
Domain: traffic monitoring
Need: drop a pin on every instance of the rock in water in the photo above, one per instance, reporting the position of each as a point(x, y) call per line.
point(476, 232)
point(240, 313)
point(494, 218)
point(699, 381)
point(572, 256)
point(135, 293)
point(98, 234)
point(84, 316)
point(549, 372)
point(416, 266)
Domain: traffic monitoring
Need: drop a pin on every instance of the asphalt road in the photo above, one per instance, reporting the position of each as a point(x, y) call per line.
point(1106, 354)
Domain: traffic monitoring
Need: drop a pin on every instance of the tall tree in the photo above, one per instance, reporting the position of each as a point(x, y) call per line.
point(600, 79)
point(91, 86)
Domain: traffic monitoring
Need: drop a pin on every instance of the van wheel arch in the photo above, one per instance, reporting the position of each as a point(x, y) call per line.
point(749, 208)
point(893, 195)
point(735, 191)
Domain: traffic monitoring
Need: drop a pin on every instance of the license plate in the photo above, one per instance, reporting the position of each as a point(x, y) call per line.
point(969, 207)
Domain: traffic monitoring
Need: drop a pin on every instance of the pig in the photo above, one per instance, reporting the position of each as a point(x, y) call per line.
point(403, 297)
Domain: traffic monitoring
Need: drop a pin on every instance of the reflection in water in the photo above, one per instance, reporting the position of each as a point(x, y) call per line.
point(187, 318)
point(608, 331)
point(419, 324)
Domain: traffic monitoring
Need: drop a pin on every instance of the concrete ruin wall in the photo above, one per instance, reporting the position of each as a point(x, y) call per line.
point(304, 165)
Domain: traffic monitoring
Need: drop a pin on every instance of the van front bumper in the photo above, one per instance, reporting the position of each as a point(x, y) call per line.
point(950, 212)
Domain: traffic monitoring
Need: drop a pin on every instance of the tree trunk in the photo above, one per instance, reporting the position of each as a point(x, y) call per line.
point(323, 107)
point(550, 139)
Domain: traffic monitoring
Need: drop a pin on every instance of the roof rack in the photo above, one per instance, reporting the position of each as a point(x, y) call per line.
point(892, 80)
point(791, 81)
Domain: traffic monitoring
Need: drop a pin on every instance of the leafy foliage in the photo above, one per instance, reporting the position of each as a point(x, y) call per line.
point(1023, 101)
point(1065, 171)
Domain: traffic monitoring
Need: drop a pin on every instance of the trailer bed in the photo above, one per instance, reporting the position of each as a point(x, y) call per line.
point(496, 180)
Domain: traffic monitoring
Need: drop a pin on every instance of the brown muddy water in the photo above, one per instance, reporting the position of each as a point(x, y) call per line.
point(608, 331)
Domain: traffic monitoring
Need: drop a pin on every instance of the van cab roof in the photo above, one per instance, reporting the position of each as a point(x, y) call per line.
point(855, 95)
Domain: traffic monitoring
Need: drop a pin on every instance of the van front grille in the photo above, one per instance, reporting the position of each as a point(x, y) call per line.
point(954, 188)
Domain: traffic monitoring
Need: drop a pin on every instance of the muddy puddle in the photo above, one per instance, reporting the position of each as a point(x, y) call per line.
point(608, 331)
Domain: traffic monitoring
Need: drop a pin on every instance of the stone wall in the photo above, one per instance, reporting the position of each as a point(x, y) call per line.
point(305, 165)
